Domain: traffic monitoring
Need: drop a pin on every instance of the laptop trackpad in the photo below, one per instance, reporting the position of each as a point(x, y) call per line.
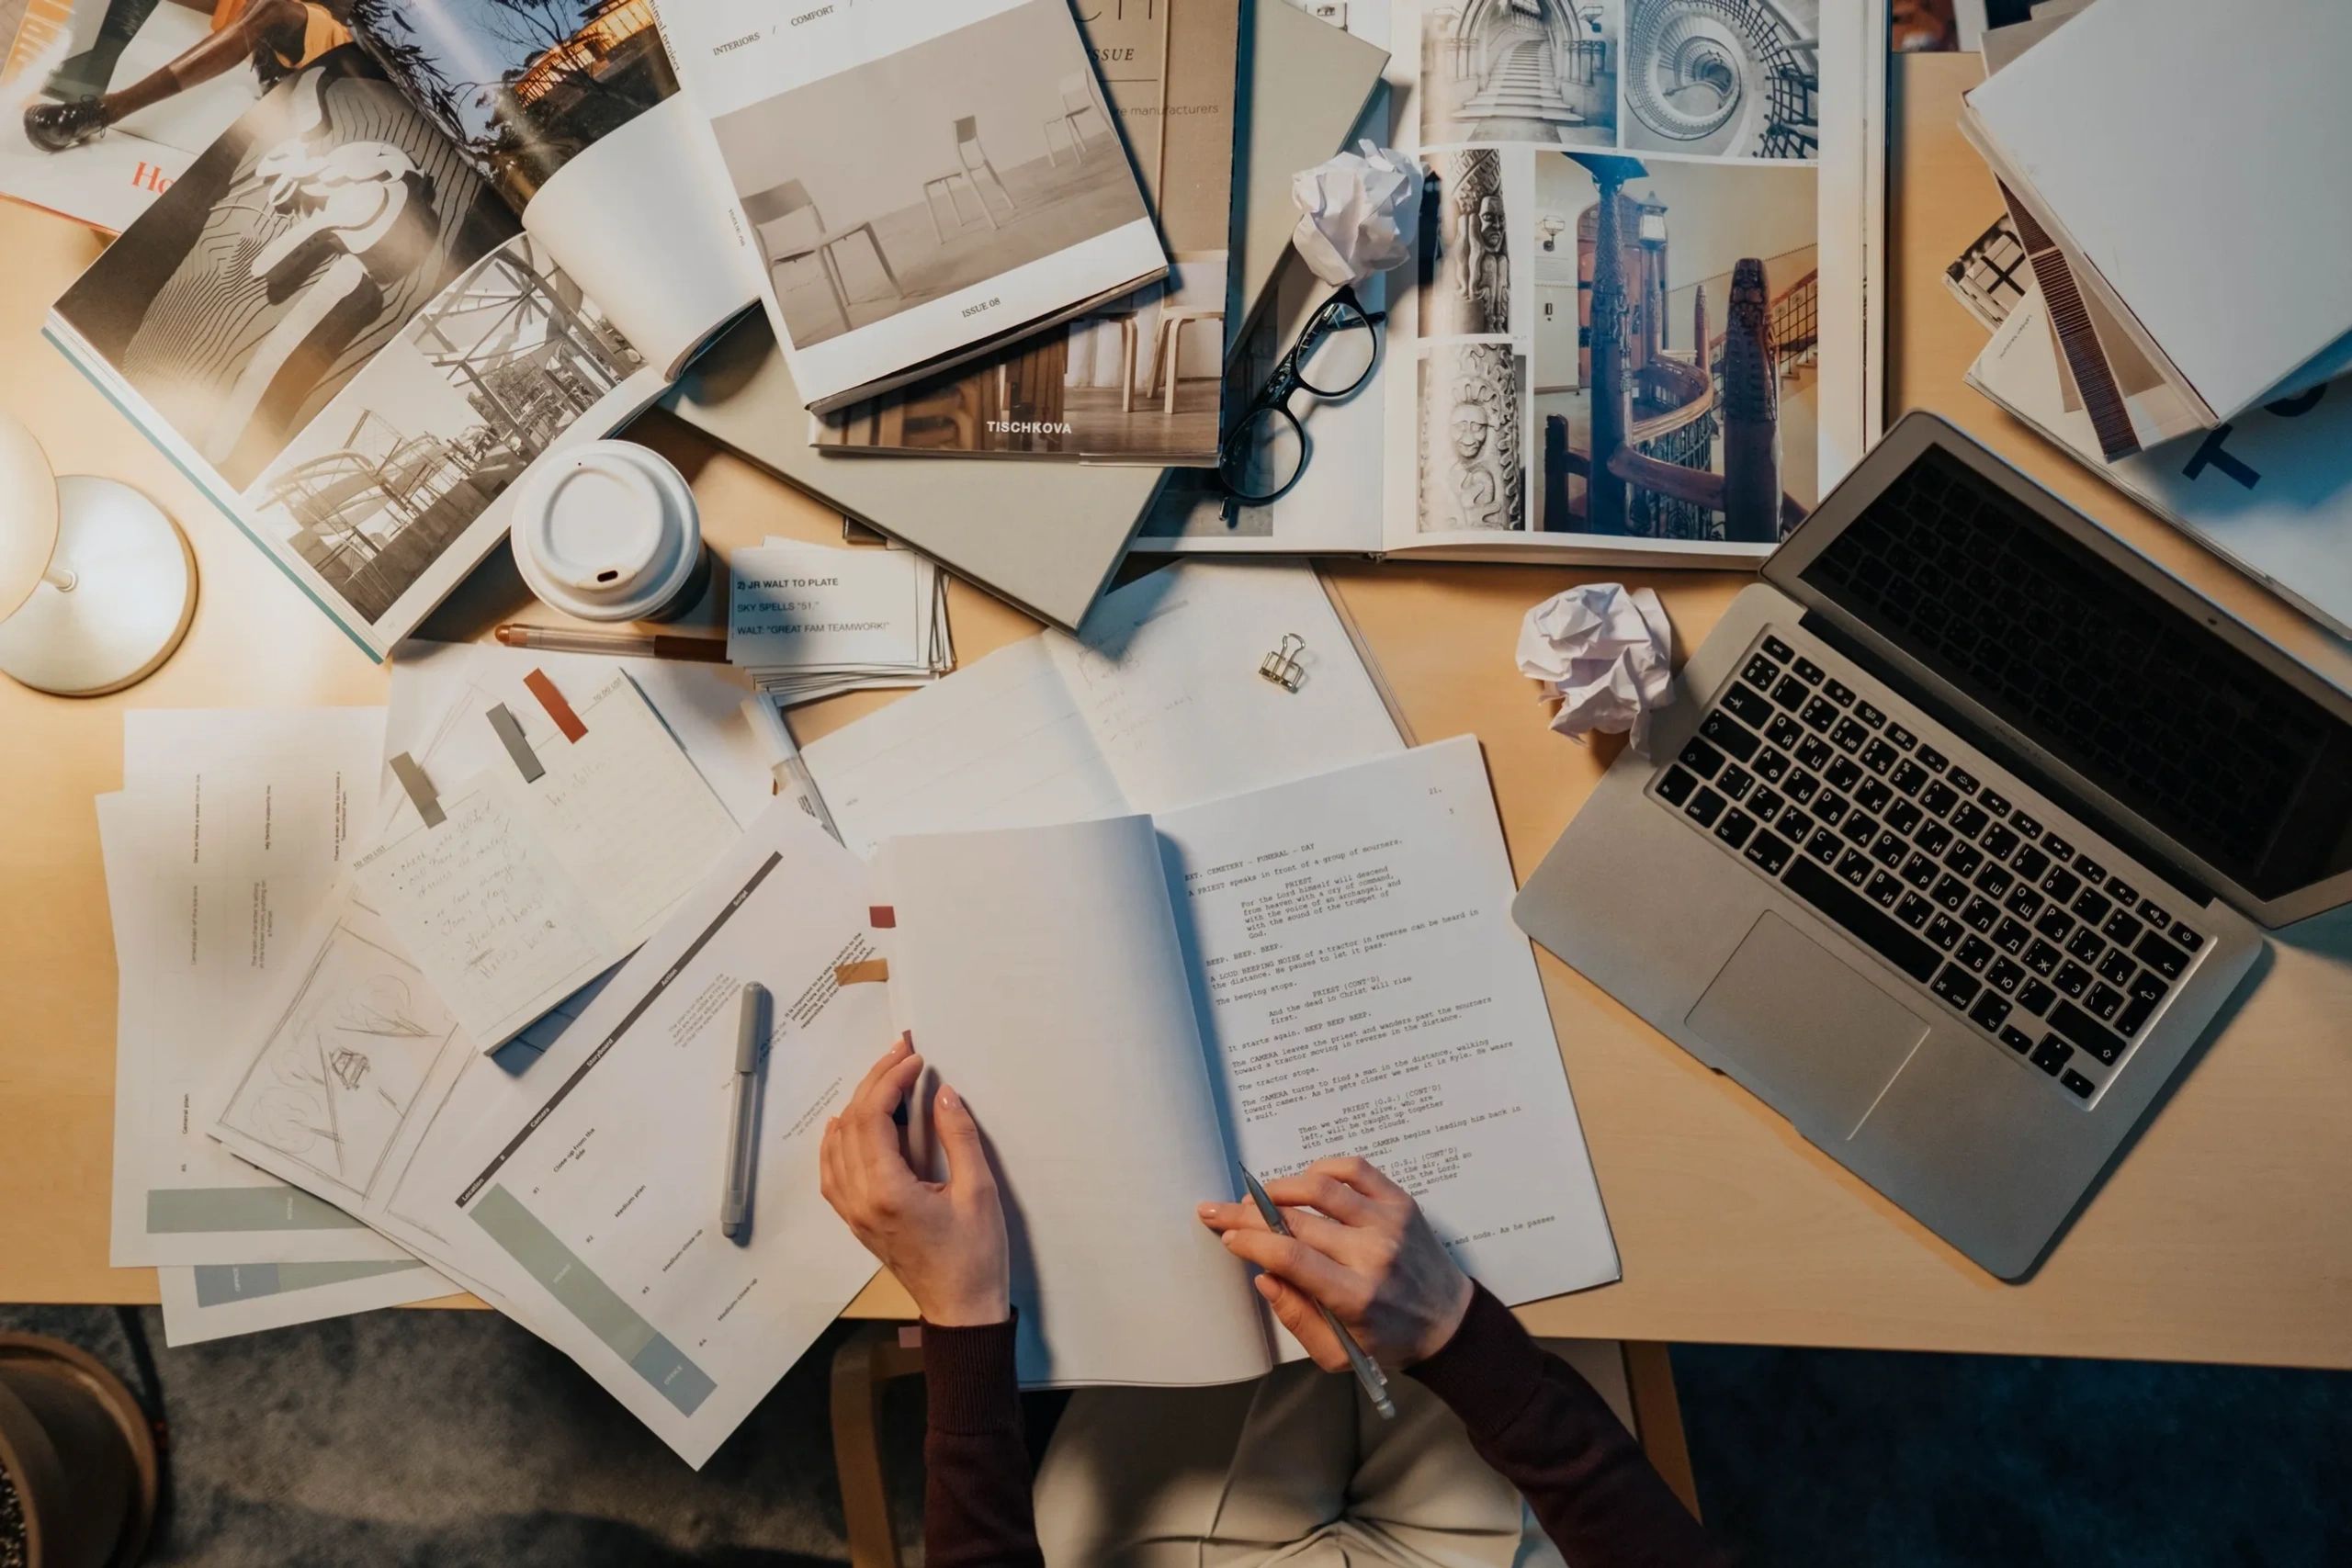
point(1803, 1029)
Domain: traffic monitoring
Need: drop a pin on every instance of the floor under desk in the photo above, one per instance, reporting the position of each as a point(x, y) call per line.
point(457, 1438)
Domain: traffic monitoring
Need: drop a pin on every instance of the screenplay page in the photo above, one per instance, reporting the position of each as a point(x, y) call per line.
point(1362, 991)
point(1040, 973)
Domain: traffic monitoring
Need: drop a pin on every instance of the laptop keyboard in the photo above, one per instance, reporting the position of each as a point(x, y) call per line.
point(1973, 895)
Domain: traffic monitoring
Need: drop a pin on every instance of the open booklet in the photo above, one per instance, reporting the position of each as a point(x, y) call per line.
point(921, 180)
point(416, 266)
point(1132, 1006)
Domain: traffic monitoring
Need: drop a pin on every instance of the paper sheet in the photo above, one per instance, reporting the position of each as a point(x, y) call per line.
point(529, 889)
point(1161, 706)
point(1364, 991)
point(602, 1193)
point(216, 1300)
point(1041, 974)
point(219, 852)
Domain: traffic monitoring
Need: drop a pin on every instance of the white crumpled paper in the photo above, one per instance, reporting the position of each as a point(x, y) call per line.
point(1358, 213)
point(1606, 653)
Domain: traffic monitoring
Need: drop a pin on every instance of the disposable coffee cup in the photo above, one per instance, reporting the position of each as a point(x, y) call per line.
point(608, 531)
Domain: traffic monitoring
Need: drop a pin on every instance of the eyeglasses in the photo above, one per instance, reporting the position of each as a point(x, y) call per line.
point(1266, 451)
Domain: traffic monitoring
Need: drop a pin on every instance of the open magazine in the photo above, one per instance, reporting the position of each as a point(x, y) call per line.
point(422, 263)
point(1637, 324)
point(921, 180)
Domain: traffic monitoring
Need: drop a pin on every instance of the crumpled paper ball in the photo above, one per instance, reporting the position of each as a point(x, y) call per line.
point(1606, 653)
point(1358, 213)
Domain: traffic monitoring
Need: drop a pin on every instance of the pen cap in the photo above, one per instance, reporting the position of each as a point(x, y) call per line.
point(608, 531)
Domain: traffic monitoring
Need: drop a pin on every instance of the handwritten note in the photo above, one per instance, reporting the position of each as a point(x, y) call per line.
point(531, 888)
point(808, 607)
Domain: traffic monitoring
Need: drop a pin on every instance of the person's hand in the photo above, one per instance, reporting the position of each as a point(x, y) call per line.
point(1358, 1246)
point(945, 1240)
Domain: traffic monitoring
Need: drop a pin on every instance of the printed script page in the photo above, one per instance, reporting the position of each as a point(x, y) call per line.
point(1039, 971)
point(1364, 992)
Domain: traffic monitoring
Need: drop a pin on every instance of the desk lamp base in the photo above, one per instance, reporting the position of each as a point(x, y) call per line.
point(119, 596)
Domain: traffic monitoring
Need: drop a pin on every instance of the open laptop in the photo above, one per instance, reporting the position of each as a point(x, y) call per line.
point(1957, 837)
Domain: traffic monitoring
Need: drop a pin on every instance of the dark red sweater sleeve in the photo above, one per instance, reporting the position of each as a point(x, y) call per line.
point(1535, 1420)
point(976, 1506)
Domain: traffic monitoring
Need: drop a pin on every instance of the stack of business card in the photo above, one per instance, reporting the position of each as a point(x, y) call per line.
point(805, 621)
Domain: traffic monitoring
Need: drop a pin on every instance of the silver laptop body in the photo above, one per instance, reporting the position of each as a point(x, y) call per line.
point(1956, 839)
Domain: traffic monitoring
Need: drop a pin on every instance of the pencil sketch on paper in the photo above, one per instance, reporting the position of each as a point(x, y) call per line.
point(345, 1061)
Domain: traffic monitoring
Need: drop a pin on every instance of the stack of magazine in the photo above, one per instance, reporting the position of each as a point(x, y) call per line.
point(2231, 426)
point(428, 245)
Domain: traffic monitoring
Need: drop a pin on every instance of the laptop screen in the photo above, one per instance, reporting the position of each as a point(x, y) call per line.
point(2234, 763)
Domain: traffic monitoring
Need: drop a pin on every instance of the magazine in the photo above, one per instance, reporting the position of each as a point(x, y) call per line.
point(850, 132)
point(419, 265)
point(1636, 327)
point(106, 102)
point(1137, 381)
point(1640, 323)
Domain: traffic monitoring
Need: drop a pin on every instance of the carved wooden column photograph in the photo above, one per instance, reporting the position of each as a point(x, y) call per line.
point(1471, 475)
point(1466, 285)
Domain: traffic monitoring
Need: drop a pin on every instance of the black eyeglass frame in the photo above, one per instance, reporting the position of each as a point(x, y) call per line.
point(1288, 377)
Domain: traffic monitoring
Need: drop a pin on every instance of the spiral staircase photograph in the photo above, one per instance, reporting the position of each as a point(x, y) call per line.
point(1724, 78)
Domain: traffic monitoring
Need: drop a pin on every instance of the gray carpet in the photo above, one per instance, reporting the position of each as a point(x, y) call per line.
point(454, 1439)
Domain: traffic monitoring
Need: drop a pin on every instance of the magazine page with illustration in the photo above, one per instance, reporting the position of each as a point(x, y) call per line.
point(1136, 382)
point(848, 132)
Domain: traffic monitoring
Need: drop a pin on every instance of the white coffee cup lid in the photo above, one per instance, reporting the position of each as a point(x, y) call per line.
point(606, 531)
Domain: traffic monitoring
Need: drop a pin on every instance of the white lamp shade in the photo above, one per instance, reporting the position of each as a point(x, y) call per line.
point(28, 514)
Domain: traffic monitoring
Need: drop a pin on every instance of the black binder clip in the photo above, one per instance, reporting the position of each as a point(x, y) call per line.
point(1282, 665)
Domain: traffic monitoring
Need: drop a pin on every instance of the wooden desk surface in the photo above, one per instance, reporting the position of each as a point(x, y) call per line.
point(2225, 1236)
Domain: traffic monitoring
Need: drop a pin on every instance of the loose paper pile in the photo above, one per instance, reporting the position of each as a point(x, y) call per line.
point(808, 621)
point(224, 841)
point(267, 1014)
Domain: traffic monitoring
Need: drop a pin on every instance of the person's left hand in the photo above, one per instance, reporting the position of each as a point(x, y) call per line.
point(945, 1240)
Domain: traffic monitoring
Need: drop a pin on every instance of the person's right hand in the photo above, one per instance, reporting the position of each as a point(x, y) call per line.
point(945, 1240)
point(1358, 1246)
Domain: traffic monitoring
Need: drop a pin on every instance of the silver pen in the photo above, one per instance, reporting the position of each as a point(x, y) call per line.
point(1368, 1372)
point(742, 1153)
